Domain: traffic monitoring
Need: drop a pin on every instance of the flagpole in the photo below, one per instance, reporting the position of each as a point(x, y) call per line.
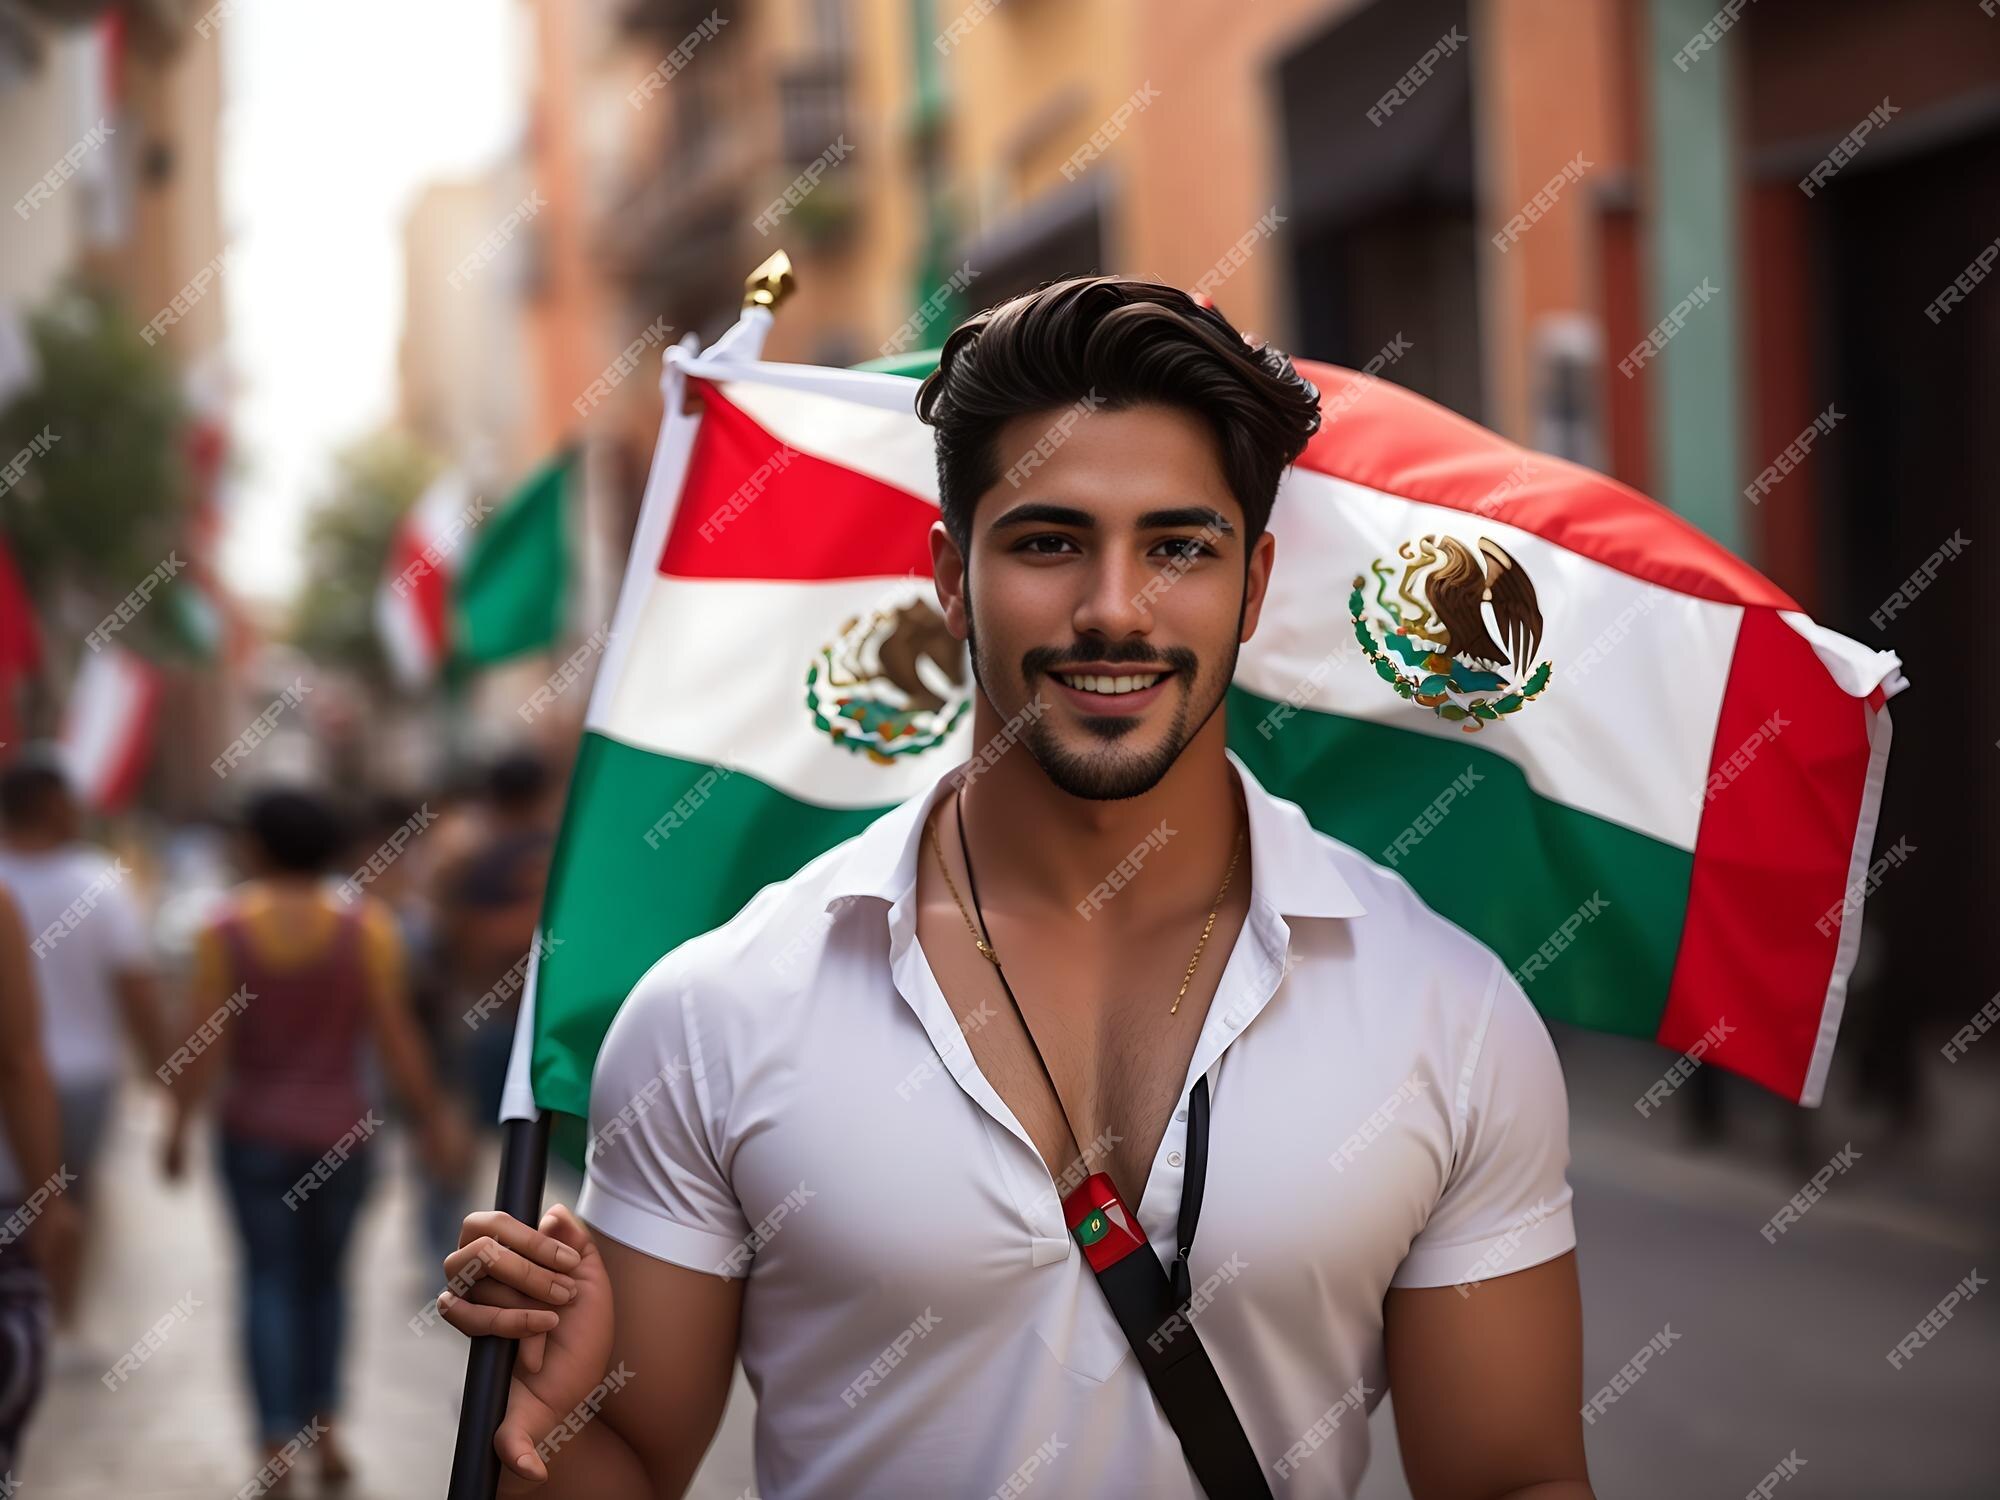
point(524, 1126)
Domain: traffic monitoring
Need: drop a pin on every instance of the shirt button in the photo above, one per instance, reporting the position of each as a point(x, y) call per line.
point(1173, 1158)
point(1180, 1114)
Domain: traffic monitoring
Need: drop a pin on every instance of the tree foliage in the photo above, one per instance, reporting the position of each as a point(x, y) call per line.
point(102, 504)
point(375, 481)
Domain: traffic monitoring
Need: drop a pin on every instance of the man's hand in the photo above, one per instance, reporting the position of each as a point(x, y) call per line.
point(547, 1289)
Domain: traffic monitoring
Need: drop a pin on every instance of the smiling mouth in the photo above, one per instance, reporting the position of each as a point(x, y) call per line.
point(1108, 685)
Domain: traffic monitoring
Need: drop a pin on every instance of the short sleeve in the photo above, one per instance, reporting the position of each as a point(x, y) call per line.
point(653, 1176)
point(126, 945)
point(1506, 1204)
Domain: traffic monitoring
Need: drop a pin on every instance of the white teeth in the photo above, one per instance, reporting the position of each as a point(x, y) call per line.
point(1097, 684)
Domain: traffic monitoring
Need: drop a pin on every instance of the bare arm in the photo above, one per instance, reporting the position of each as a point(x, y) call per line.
point(138, 992)
point(395, 1029)
point(27, 1093)
point(1488, 1387)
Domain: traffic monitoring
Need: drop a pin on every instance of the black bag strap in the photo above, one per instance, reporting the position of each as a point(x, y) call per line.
point(1149, 1306)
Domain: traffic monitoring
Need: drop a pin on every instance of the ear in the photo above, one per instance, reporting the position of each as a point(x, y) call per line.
point(948, 570)
point(1257, 581)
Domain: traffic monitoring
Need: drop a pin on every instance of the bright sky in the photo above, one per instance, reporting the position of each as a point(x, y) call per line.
point(333, 117)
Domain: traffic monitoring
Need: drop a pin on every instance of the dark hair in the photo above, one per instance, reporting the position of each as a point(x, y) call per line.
point(1120, 343)
point(294, 829)
point(517, 780)
point(30, 793)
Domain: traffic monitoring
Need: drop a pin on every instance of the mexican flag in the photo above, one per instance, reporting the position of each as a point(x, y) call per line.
point(107, 732)
point(467, 583)
point(1582, 730)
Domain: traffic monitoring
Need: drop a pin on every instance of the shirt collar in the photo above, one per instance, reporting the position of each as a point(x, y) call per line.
point(1289, 867)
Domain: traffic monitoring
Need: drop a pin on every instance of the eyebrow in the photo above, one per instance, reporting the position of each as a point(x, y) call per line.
point(1041, 512)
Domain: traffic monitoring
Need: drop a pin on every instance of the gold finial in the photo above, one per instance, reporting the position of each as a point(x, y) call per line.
point(771, 283)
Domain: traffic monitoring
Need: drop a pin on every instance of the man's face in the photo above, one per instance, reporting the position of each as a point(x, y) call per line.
point(1110, 583)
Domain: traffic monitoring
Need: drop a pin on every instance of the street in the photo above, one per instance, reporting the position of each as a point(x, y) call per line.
point(1669, 1239)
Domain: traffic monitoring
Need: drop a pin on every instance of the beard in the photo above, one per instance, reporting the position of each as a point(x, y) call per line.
point(1110, 773)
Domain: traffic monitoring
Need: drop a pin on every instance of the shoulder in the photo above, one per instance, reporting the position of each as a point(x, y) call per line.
point(1401, 929)
point(1422, 982)
point(759, 964)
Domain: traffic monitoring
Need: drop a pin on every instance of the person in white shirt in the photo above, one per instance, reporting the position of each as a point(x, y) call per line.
point(853, 1170)
point(93, 967)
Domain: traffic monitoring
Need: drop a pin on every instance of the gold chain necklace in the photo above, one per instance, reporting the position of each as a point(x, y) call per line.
point(986, 948)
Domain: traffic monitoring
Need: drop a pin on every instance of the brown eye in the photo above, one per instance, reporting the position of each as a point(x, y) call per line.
point(1051, 545)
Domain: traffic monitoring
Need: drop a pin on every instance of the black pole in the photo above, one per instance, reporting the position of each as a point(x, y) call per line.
point(489, 1366)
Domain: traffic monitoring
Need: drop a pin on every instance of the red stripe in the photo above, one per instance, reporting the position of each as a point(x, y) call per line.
point(752, 507)
point(426, 584)
point(1377, 434)
point(1771, 859)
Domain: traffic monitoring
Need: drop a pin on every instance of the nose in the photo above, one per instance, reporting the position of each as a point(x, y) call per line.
point(1114, 603)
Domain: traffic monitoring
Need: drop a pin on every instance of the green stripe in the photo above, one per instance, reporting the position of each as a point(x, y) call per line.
point(1503, 862)
point(616, 903)
point(511, 597)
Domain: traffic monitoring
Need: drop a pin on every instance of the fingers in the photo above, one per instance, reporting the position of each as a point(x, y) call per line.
point(479, 1319)
point(533, 1349)
point(520, 1238)
point(570, 1232)
point(512, 1443)
point(486, 1259)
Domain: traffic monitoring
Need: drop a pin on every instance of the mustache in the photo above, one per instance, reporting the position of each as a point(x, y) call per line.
point(1050, 658)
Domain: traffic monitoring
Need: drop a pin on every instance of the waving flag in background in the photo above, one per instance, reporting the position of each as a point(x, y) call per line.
point(467, 583)
point(1581, 729)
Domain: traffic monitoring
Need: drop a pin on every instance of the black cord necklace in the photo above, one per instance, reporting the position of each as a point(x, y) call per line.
point(1197, 1140)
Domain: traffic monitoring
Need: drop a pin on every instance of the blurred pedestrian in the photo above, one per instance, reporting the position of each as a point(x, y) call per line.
point(293, 981)
point(399, 885)
point(36, 1231)
point(95, 975)
point(489, 901)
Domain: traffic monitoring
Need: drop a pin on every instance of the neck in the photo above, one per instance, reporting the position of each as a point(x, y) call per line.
point(1035, 845)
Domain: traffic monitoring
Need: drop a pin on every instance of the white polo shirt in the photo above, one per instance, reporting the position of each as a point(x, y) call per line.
point(790, 1097)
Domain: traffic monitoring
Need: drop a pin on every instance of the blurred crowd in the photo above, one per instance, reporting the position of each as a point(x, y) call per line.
point(297, 980)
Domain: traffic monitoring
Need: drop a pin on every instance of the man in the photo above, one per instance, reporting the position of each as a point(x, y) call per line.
point(1020, 978)
point(488, 896)
point(39, 1226)
point(94, 969)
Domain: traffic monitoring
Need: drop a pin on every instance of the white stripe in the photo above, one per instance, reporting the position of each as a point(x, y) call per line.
point(430, 521)
point(1624, 729)
point(720, 677)
point(413, 655)
point(1849, 946)
point(101, 720)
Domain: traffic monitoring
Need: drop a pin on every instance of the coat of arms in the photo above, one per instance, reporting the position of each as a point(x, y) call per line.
point(1462, 620)
point(893, 682)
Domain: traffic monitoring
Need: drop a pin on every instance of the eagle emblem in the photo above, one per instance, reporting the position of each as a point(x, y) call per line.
point(1464, 622)
point(892, 683)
